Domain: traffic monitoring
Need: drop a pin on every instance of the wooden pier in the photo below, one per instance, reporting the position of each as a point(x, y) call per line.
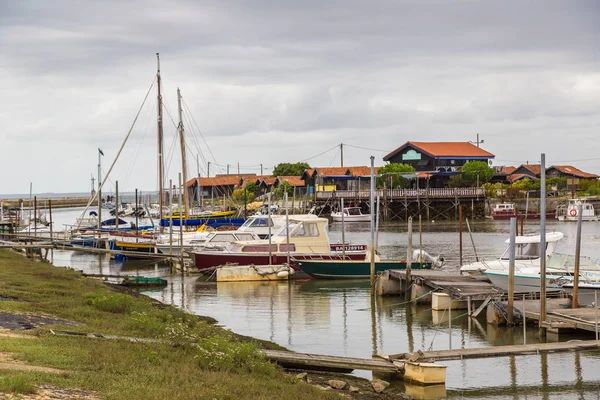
point(289, 359)
point(399, 204)
point(497, 351)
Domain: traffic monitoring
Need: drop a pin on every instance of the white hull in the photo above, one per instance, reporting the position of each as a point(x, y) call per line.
point(523, 283)
point(586, 293)
point(337, 217)
point(246, 273)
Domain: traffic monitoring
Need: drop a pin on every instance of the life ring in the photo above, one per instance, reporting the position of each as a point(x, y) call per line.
point(573, 213)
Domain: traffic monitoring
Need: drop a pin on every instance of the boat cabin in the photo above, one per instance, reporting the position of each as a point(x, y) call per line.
point(352, 211)
point(306, 235)
point(528, 247)
point(504, 207)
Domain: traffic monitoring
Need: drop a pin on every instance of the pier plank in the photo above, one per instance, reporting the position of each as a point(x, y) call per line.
point(286, 358)
point(498, 351)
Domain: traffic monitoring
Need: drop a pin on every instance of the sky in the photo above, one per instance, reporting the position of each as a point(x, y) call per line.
point(265, 82)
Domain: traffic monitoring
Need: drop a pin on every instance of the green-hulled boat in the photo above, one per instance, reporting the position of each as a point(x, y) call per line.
point(351, 269)
point(143, 281)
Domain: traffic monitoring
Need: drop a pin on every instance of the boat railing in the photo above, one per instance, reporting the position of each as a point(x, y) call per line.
point(468, 192)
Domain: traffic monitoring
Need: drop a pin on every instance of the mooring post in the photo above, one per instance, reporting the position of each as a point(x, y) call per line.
point(469, 312)
point(371, 207)
point(542, 329)
point(50, 214)
point(472, 240)
point(343, 229)
point(575, 302)
point(596, 312)
point(460, 232)
point(420, 242)
point(450, 321)
point(524, 313)
point(409, 260)
point(511, 271)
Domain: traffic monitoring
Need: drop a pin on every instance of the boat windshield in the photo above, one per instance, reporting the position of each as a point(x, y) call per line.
point(524, 251)
point(353, 211)
point(304, 229)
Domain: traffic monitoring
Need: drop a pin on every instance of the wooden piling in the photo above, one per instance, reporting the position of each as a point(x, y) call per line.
point(511, 270)
point(575, 302)
point(409, 259)
point(460, 231)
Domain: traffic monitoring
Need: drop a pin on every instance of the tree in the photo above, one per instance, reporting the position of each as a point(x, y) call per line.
point(238, 196)
point(284, 187)
point(477, 172)
point(290, 169)
point(251, 188)
point(393, 172)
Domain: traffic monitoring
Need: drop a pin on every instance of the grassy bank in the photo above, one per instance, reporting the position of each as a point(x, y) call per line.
point(221, 366)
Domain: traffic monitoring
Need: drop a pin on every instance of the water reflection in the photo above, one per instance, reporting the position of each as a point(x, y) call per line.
point(339, 317)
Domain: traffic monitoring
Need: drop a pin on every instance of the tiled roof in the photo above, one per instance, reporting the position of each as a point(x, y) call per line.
point(309, 172)
point(269, 180)
point(535, 168)
point(217, 181)
point(506, 170)
point(444, 149)
point(516, 177)
point(292, 180)
point(329, 171)
point(361, 171)
point(570, 170)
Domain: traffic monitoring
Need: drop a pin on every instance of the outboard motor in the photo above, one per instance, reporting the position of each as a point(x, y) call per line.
point(423, 256)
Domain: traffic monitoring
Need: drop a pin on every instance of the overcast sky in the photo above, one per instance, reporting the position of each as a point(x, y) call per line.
point(283, 81)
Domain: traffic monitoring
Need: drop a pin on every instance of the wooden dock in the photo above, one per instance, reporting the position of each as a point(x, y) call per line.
point(329, 363)
point(458, 287)
point(497, 351)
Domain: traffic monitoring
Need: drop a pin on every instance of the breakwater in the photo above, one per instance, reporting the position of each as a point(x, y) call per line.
point(57, 202)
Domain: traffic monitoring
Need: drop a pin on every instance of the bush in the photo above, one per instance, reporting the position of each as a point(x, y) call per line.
point(393, 172)
point(219, 354)
point(111, 302)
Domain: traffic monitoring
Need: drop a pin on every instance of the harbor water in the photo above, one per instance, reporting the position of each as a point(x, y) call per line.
point(342, 318)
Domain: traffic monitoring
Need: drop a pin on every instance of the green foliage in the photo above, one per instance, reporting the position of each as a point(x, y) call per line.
point(16, 384)
point(251, 187)
point(526, 184)
point(585, 184)
point(393, 172)
point(284, 187)
point(290, 169)
point(111, 302)
point(238, 196)
point(219, 354)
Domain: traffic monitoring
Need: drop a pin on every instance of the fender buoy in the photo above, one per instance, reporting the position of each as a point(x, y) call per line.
point(573, 213)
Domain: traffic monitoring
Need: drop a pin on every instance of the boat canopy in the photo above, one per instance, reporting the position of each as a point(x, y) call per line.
point(550, 237)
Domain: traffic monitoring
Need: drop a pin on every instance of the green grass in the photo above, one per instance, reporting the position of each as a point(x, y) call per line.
point(220, 365)
point(16, 383)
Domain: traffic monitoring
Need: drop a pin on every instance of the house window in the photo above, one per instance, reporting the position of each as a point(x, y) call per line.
point(452, 162)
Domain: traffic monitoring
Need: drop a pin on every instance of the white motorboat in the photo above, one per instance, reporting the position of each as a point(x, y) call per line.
point(259, 224)
point(587, 292)
point(214, 240)
point(527, 254)
point(350, 214)
point(527, 280)
point(570, 212)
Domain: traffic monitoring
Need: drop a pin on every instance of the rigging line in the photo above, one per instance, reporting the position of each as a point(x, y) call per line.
point(320, 154)
point(200, 131)
point(139, 143)
point(190, 134)
point(365, 148)
point(95, 195)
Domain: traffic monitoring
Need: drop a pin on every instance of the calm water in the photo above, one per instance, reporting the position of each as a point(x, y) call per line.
point(341, 318)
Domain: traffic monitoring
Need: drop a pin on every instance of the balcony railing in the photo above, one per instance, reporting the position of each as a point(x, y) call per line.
point(431, 193)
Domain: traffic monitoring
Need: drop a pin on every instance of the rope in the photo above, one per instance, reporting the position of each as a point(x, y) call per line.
point(403, 303)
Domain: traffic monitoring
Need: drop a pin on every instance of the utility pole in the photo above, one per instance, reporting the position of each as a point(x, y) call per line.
point(261, 170)
point(341, 154)
point(227, 169)
point(208, 170)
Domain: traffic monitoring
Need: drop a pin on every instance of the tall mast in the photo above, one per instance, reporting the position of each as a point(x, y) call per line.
point(160, 142)
point(183, 162)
